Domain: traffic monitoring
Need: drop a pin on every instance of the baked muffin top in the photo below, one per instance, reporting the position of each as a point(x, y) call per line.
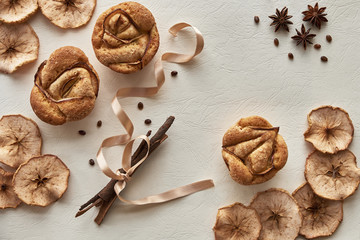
point(253, 150)
point(65, 87)
point(125, 37)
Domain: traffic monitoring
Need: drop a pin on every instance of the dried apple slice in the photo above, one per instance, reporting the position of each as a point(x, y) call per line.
point(68, 13)
point(330, 129)
point(19, 45)
point(16, 11)
point(8, 198)
point(237, 222)
point(41, 180)
point(279, 214)
point(20, 140)
point(321, 217)
point(332, 176)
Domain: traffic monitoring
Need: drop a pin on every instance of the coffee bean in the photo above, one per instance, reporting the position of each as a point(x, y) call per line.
point(82, 132)
point(140, 106)
point(328, 38)
point(317, 46)
point(147, 121)
point(256, 19)
point(174, 73)
point(99, 123)
point(324, 59)
point(92, 162)
point(276, 42)
point(291, 56)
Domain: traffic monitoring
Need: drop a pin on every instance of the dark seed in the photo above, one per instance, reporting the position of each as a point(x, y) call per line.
point(324, 59)
point(291, 56)
point(317, 46)
point(3, 187)
point(99, 123)
point(92, 162)
point(147, 121)
point(174, 73)
point(82, 132)
point(256, 19)
point(328, 38)
point(276, 42)
point(140, 106)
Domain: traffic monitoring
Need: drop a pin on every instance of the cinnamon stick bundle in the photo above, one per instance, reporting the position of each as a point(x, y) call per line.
point(106, 196)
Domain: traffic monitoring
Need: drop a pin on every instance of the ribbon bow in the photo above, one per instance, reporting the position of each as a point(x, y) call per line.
point(124, 176)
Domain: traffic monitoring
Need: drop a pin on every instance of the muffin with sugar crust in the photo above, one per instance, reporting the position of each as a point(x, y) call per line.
point(125, 37)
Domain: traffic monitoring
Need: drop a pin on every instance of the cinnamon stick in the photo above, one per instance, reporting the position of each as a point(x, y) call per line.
point(104, 208)
point(106, 196)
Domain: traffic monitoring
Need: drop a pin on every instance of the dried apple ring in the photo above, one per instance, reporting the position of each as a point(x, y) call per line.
point(68, 13)
point(332, 176)
point(253, 150)
point(321, 217)
point(330, 129)
point(41, 180)
point(20, 140)
point(279, 214)
point(17, 11)
point(8, 198)
point(125, 37)
point(65, 87)
point(19, 45)
point(237, 222)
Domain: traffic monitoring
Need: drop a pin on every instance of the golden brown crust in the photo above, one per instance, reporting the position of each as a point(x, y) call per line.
point(255, 168)
point(45, 109)
point(65, 87)
point(125, 37)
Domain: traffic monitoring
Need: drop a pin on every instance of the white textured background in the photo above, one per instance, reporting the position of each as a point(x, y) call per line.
point(239, 73)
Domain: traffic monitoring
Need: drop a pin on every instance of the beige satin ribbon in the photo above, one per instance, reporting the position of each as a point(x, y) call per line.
point(123, 178)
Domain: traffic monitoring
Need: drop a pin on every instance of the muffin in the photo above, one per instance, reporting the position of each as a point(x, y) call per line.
point(125, 37)
point(65, 87)
point(253, 150)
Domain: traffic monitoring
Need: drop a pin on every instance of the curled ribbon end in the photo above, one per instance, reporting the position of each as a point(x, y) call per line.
point(211, 183)
point(177, 27)
point(174, 33)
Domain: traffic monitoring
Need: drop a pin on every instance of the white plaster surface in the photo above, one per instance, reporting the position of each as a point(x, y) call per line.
point(239, 73)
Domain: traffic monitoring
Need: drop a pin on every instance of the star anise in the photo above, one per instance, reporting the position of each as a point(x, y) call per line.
point(303, 37)
point(315, 15)
point(281, 19)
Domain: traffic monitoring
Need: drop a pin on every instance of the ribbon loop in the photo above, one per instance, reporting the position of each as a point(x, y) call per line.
point(124, 176)
point(183, 58)
point(126, 160)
